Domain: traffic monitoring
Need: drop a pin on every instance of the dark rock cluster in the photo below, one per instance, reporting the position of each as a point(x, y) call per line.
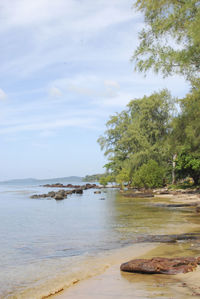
point(85, 187)
point(62, 194)
point(138, 194)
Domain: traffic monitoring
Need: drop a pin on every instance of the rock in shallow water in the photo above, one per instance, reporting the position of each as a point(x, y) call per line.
point(160, 265)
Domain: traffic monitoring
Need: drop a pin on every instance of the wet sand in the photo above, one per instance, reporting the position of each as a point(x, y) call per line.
point(115, 284)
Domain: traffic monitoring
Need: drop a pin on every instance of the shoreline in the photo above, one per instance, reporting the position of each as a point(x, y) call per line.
point(113, 283)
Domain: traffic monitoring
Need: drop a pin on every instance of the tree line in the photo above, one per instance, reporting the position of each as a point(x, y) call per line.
point(156, 139)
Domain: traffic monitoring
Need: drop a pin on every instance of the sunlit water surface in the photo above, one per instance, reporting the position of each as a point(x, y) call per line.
point(47, 244)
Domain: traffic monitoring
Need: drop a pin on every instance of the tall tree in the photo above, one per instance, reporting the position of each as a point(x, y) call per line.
point(170, 41)
point(186, 135)
point(138, 133)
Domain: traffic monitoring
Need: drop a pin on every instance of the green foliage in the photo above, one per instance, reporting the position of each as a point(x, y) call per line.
point(186, 135)
point(123, 177)
point(92, 178)
point(186, 184)
point(148, 137)
point(149, 175)
point(170, 41)
point(138, 133)
point(188, 164)
point(103, 181)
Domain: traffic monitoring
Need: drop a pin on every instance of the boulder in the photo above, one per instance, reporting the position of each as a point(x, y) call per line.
point(61, 193)
point(97, 192)
point(51, 194)
point(35, 196)
point(160, 265)
point(59, 197)
point(79, 191)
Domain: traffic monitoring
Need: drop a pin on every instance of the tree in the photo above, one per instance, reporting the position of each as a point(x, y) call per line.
point(123, 177)
point(138, 134)
point(103, 181)
point(186, 135)
point(170, 41)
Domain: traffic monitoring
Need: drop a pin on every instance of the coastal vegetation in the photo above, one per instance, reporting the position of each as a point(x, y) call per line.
point(92, 178)
point(156, 140)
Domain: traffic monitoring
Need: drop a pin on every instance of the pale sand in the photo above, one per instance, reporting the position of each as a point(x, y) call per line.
point(115, 284)
point(180, 198)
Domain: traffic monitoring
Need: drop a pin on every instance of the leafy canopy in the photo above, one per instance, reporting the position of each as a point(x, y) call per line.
point(137, 134)
point(170, 41)
point(186, 134)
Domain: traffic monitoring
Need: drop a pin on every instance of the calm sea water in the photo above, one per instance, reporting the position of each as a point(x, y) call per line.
point(47, 244)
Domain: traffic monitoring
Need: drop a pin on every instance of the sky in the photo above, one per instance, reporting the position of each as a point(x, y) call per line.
point(65, 67)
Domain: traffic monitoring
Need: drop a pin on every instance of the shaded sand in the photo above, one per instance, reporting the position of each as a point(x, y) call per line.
point(180, 198)
point(115, 284)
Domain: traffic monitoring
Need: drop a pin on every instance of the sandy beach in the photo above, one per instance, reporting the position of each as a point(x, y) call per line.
point(113, 283)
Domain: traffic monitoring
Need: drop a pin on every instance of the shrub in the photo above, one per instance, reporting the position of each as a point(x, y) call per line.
point(149, 175)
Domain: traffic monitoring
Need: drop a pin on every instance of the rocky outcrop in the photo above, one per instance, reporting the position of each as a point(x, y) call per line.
point(160, 265)
point(85, 187)
point(138, 194)
point(177, 205)
point(61, 194)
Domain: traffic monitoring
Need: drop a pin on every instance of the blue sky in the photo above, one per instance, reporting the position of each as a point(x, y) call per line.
point(64, 68)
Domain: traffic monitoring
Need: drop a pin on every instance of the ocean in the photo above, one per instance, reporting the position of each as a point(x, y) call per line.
point(47, 245)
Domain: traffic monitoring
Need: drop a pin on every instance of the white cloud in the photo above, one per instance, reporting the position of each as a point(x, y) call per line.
point(55, 124)
point(55, 92)
point(111, 84)
point(3, 95)
point(92, 86)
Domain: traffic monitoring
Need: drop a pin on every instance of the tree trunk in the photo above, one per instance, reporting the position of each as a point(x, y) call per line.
point(173, 168)
point(196, 179)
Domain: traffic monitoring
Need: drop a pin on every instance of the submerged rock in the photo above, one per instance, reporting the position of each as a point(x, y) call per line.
point(177, 205)
point(168, 238)
point(160, 265)
point(138, 194)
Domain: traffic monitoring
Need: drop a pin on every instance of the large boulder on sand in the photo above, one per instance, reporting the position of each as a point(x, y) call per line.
point(160, 265)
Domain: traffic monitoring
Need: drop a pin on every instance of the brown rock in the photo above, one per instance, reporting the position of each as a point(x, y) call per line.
point(59, 197)
point(160, 265)
point(79, 191)
point(138, 194)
